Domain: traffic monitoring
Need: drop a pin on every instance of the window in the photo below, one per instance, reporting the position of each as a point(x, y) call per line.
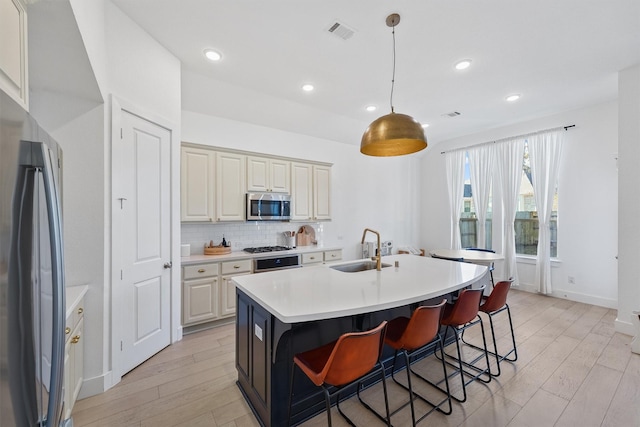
point(526, 223)
point(468, 219)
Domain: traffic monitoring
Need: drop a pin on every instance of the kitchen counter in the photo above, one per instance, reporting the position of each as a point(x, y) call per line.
point(282, 313)
point(317, 293)
point(197, 259)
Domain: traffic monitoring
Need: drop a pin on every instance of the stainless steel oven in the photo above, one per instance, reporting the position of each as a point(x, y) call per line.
point(268, 207)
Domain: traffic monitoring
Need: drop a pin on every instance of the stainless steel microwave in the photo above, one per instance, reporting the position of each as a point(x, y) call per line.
point(268, 207)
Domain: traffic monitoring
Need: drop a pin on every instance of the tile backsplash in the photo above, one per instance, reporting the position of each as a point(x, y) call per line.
point(242, 234)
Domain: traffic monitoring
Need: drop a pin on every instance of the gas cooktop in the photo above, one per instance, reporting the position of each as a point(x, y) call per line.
point(266, 249)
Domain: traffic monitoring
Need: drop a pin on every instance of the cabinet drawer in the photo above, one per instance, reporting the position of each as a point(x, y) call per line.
point(199, 270)
point(333, 255)
point(73, 319)
point(233, 267)
point(312, 258)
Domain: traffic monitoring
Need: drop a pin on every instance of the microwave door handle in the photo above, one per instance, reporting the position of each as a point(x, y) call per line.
point(21, 335)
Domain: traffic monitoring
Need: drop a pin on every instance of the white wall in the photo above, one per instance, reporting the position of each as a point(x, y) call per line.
point(588, 202)
point(629, 193)
point(379, 193)
point(130, 65)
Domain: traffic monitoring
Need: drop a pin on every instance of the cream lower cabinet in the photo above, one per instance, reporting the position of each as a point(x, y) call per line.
point(228, 290)
point(333, 255)
point(208, 294)
point(313, 258)
point(200, 293)
point(74, 357)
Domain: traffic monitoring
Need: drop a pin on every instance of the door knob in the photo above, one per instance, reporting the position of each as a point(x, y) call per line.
point(167, 265)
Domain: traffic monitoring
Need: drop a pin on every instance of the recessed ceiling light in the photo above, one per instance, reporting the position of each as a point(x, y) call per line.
point(425, 125)
point(307, 87)
point(513, 98)
point(212, 55)
point(463, 65)
point(371, 108)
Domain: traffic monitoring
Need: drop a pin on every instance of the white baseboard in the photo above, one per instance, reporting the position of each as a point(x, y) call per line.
point(624, 327)
point(572, 296)
point(95, 385)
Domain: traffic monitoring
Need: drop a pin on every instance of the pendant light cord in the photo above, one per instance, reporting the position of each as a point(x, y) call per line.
point(393, 76)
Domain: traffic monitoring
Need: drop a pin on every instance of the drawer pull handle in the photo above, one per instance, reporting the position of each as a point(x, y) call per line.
point(80, 310)
point(236, 266)
point(312, 257)
point(75, 340)
point(202, 270)
point(67, 330)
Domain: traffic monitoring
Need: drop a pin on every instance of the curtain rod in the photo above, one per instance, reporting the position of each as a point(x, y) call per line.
point(512, 137)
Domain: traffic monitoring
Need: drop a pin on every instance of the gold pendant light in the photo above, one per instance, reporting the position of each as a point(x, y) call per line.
point(394, 134)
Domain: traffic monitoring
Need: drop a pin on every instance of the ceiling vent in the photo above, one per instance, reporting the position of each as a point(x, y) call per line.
point(341, 30)
point(451, 114)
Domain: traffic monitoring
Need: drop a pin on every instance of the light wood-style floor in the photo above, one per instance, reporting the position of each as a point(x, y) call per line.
point(573, 370)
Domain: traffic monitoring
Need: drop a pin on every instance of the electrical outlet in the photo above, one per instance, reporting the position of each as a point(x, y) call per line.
point(572, 280)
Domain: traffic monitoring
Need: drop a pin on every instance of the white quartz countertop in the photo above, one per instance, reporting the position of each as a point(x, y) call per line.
point(235, 255)
point(320, 292)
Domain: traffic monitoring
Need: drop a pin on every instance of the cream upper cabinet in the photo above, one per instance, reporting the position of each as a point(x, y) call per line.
point(302, 191)
point(321, 192)
point(230, 186)
point(268, 175)
point(13, 51)
point(310, 192)
point(197, 184)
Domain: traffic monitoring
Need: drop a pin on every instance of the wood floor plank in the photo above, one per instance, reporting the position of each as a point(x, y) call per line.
point(566, 380)
point(588, 407)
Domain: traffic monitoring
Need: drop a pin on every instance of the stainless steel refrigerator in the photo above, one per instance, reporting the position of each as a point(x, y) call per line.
point(32, 288)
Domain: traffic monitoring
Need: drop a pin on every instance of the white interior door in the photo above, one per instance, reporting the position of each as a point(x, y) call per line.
point(143, 206)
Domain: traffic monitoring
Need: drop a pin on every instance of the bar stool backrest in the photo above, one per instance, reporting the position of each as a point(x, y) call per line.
point(498, 297)
point(354, 355)
point(423, 326)
point(466, 307)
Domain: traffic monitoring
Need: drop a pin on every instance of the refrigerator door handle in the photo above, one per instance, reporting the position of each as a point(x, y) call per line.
point(37, 155)
point(54, 413)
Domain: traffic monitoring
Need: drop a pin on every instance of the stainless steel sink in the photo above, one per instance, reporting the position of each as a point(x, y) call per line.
point(357, 266)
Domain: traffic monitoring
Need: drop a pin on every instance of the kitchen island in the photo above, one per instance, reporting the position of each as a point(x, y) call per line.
point(282, 313)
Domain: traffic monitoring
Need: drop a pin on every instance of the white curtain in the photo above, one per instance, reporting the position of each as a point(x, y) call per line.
point(544, 154)
point(480, 168)
point(509, 156)
point(455, 184)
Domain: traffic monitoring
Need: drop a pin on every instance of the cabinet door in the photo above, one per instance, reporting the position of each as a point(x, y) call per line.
point(197, 184)
point(280, 176)
point(13, 50)
point(268, 175)
point(321, 192)
point(228, 297)
point(257, 174)
point(73, 366)
point(301, 191)
point(230, 186)
point(199, 300)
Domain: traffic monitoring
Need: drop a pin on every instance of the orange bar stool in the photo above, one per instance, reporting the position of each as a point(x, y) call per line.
point(493, 304)
point(414, 337)
point(460, 316)
point(354, 357)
